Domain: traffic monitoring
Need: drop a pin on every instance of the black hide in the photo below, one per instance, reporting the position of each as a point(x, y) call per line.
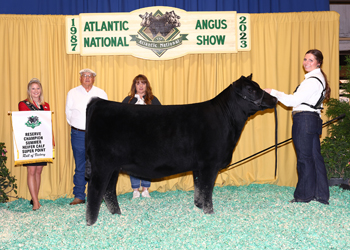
point(151, 141)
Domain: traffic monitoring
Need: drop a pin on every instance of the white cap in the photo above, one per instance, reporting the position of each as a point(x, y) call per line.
point(88, 71)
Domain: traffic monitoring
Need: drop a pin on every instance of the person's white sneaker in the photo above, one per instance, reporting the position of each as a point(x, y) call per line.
point(136, 194)
point(145, 194)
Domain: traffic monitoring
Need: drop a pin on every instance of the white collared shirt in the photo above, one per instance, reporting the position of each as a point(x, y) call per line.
point(308, 92)
point(76, 103)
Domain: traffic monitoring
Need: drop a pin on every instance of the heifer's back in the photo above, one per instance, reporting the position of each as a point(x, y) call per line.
point(156, 141)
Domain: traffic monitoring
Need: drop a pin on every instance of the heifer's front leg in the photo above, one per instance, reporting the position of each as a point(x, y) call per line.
point(111, 195)
point(96, 189)
point(206, 183)
point(198, 198)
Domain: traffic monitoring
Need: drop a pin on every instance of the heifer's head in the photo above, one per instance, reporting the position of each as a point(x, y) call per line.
point(172, 19)
point(252, 95)
point(146, 19)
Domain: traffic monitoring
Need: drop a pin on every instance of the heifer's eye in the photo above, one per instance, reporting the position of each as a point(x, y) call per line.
point(250, 90)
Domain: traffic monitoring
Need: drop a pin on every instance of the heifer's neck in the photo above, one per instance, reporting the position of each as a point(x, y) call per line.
point(234, 112)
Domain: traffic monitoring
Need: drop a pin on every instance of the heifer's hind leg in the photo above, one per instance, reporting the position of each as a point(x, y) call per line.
point(111, 195)
point(96, 189)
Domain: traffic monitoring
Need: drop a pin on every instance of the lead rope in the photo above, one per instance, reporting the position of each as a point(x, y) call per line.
point(285, 141)
point(276, 141)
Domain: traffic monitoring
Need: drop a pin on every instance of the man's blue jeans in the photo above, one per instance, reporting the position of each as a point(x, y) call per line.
point(78, 146)
point(312, 174)
point(135, 182)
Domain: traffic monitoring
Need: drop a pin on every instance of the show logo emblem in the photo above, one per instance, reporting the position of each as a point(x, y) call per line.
point(159, 32)
point(33, 122)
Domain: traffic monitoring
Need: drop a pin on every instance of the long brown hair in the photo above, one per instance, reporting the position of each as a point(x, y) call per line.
point(319, 58)
point(148, 96)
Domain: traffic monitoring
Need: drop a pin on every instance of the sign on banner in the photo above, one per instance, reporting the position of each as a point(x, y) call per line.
point(32, 136)
point(158, 33)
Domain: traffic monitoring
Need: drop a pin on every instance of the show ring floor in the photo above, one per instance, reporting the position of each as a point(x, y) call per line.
point(246, 217)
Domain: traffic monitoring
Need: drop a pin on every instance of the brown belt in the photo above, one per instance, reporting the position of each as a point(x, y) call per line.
point(299, 111)
point(77, 129)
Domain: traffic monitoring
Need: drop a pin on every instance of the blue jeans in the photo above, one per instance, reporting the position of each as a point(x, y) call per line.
point(135, 183)
point(78, 146)
point(312, 174)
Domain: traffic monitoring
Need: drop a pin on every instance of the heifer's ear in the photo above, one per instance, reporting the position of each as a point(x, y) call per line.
point(250, 77)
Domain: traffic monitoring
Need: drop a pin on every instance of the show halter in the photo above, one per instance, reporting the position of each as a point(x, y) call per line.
point(256, 102)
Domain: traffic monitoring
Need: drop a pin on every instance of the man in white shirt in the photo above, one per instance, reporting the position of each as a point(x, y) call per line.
point(77, 101)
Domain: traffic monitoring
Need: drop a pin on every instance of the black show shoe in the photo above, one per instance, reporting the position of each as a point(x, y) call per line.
point(299, 200)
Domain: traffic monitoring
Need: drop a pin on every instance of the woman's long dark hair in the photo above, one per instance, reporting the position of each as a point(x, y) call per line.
point(319, 58)
point(148, 95)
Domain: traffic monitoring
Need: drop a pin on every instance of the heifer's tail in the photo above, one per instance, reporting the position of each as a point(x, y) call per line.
point(87, 169)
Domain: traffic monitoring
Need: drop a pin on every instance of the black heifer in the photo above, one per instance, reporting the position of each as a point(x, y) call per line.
point(157, 141)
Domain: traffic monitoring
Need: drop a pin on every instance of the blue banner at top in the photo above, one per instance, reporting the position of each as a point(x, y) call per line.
point(75, 7)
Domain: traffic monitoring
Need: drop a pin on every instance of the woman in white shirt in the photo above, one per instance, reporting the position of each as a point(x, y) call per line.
point(307, 128)
point(141, 94)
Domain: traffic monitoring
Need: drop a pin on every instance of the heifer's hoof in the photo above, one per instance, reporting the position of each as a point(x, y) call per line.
point(208, 211)
point(90, 220)
point(199, 205)
point(90, 223)
point(113, 209)
point(116, 211)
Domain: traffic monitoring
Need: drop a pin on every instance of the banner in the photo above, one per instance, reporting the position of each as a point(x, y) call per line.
point(32, 136)
point(157, 33)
